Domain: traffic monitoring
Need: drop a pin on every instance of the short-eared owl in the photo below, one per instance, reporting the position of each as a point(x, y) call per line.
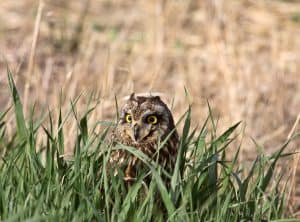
point(144, 122)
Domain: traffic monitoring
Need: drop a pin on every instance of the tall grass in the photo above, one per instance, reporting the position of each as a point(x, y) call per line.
point(205, 185)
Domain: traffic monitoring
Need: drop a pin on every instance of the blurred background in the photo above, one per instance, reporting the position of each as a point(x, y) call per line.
point(243, 56)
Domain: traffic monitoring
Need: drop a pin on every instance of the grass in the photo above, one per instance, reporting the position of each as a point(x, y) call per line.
point(241, 55)
point(205, 185)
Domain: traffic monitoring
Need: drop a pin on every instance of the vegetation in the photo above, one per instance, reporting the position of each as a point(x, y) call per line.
point(205, 186)
point(243, 56)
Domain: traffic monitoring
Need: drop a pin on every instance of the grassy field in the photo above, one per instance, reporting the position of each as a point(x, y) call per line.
point(243, 56)
point(205, 185)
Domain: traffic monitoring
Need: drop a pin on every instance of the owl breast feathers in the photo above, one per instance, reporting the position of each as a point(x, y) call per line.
point(144, 122)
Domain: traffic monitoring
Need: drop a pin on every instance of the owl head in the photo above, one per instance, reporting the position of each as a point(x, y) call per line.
point(145, 119)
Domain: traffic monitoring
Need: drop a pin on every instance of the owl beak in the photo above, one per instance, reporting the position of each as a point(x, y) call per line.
point(136, 132)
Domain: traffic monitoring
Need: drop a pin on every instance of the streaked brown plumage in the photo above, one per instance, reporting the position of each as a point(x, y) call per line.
point(144, 122)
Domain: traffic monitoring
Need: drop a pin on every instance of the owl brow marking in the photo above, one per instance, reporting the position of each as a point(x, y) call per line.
point(159, 108)
point(147, 114)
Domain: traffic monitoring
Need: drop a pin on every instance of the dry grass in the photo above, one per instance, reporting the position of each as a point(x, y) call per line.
point(243, 56)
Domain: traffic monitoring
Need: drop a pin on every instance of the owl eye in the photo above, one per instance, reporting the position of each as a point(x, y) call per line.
point(152, 119)
point(128, 118)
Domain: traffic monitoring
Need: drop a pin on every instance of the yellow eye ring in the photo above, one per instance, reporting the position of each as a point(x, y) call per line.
point(128, 118)
point(152, 119)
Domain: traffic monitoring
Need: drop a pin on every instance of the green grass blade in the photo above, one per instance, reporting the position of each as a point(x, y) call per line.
point(20, 120)
point(60, 134)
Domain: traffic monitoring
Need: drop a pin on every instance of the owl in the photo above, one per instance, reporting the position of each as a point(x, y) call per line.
point(144, 122)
